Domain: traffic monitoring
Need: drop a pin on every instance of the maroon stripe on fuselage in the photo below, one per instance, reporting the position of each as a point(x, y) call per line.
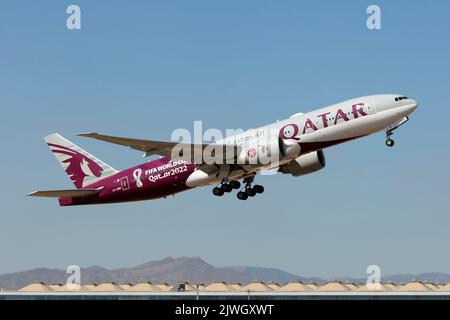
point(151, 180)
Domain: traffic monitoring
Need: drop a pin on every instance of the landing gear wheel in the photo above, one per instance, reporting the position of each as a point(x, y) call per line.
point(389, 142)
point(227, 187)
point(218, 191)
point(235, 184)
point(250, 192)
point(242, 195)
point(258, 188)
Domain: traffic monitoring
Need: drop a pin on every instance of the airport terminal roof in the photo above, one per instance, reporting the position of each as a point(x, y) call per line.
point(333, 286)
point(414, 286)
point(35, 287)
point(294, 287)
point(144, 287)
point(220, 287)
point(257, 287)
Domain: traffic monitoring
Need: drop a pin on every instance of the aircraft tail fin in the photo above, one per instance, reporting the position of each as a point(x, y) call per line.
point(81, 167)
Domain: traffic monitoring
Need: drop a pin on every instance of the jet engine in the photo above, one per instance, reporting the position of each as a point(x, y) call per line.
point(288, 148)
point(305, 164)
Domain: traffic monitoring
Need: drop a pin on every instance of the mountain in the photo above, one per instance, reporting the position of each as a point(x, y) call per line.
point(184, 269)
point(170, 270)
point(435, 277)
point(273, 275)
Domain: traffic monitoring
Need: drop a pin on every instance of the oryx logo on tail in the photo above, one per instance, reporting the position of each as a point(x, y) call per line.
point(81, 167)
point(78, 166)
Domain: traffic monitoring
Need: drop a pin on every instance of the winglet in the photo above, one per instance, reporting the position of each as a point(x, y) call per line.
point(87, 134)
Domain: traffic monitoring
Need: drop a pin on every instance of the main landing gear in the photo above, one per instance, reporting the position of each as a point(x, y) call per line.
point(248, 191)
point(226, 186)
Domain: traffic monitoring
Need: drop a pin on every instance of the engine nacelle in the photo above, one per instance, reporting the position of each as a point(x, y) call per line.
point(289, 148)
point(305, 164)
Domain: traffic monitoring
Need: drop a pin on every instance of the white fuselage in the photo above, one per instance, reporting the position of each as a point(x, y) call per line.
point(323, 128)
point(345, 120)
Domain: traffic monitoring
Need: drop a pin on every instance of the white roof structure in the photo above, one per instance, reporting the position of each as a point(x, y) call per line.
point(390, 286)
point(164, 286)
point(88, 287)
point(312, 286)
point(236, 286)
point(273, 286)
point(292, 287)
point(334, 286)
point(35, 287)
point(54, 287)
point(414, 286)
point(125, 286)
point(375, 288)
point(106, 287)
point(445, 287)
point(144, 287)
point(68, 288)
point(352, 286)
point(432, 286)
point(219, 287)
point(256, 287)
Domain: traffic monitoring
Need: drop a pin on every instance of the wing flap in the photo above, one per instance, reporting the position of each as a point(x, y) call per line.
point(73, 193)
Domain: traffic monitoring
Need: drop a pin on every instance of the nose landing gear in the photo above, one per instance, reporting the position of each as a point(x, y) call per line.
point(389, 142)
point(391, 128)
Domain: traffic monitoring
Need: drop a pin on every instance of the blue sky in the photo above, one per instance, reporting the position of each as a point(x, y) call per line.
point(145, 68)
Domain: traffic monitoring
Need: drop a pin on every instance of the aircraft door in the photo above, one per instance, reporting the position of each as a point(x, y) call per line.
point(124, 183)
point(371, 107)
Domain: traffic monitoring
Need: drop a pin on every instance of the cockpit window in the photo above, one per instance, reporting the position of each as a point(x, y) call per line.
point(400, 98)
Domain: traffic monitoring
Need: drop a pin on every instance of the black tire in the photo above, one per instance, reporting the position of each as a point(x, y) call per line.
point(258, 188)
point(250, 192)
point(241, 195)
point(235, 184)
point(217, 191)
point(390, 142)
point(227, 188)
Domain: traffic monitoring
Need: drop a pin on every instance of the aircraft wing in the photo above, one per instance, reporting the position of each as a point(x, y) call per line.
point(73, 193)
point(166, 148)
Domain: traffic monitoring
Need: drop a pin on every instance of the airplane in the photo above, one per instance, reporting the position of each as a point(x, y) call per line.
point(293, 146)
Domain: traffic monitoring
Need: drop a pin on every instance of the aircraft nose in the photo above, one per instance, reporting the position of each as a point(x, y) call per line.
point(414, 104)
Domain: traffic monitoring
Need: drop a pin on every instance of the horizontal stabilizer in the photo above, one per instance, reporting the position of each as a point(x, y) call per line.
point(74, 193)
